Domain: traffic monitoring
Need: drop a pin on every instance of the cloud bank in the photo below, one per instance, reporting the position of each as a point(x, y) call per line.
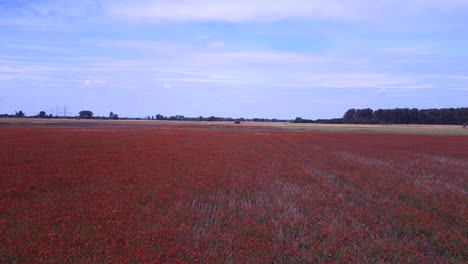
point(227, 11)
point(266, 10)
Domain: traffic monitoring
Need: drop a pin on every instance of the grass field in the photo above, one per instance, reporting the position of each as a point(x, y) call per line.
point(78, 191)
point(395, 129)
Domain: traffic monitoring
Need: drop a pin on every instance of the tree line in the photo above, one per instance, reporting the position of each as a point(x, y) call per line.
point(444, 116)
point(88, 114)
point(434, 116)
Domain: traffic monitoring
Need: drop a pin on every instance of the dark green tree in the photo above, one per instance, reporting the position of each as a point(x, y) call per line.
point(444, 116)
point(20, 114)
point(86, 114)
point(349, 115)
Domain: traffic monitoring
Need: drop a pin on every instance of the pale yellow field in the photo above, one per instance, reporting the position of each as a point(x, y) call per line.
point(399, 129)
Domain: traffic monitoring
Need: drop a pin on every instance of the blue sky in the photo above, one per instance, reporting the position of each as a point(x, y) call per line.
point(244, 58)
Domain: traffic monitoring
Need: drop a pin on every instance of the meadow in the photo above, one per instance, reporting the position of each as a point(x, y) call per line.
point(226, 125)
point(231, 194)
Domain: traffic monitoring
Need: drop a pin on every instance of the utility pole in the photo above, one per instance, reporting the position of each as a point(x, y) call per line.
point(65, 112)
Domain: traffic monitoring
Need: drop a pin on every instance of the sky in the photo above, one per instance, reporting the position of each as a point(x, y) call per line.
point(243, 58)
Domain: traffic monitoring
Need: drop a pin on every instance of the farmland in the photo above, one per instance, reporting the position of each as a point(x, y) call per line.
point(224, 125)
point(171, 194)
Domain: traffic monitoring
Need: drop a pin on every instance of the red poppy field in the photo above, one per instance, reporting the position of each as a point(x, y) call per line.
point(139, 195)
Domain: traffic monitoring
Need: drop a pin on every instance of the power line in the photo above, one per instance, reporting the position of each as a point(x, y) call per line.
point(60, 111)
point(65, 112)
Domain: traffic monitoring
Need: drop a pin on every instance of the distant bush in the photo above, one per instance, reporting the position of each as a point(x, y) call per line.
point(86, 114)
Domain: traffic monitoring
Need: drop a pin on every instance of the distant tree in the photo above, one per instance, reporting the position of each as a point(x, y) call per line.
point(379, 115)
point(86, 114)
point(349, 115)
point(113, 116)
point(159, 117)
point(364, 115)
point(358, 116)
point(462, 115)
point(42, 114)
point(328, 121)
point(413, 116)
point(20, 114)
point(444, 116)
point(298, 120)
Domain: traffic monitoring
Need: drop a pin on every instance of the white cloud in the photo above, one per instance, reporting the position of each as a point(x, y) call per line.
point(192, 74)
point(26, 68)
point(255, 57)
point(381, 81)
point(60, 15)
point(215, 44)
point(51, 8)
point(459, 77)
point(410, 49)
point(94, 82)
point(201, 80)
point(146, 45)
point(193, 65)
point(233, 11)
point(38, 47)
point(10, 69)
point(267, 10)
point(6, 77)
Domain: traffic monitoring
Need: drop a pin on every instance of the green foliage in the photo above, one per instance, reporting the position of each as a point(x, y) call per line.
point(86, 114)
point(444, 116)
point(20, 114)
